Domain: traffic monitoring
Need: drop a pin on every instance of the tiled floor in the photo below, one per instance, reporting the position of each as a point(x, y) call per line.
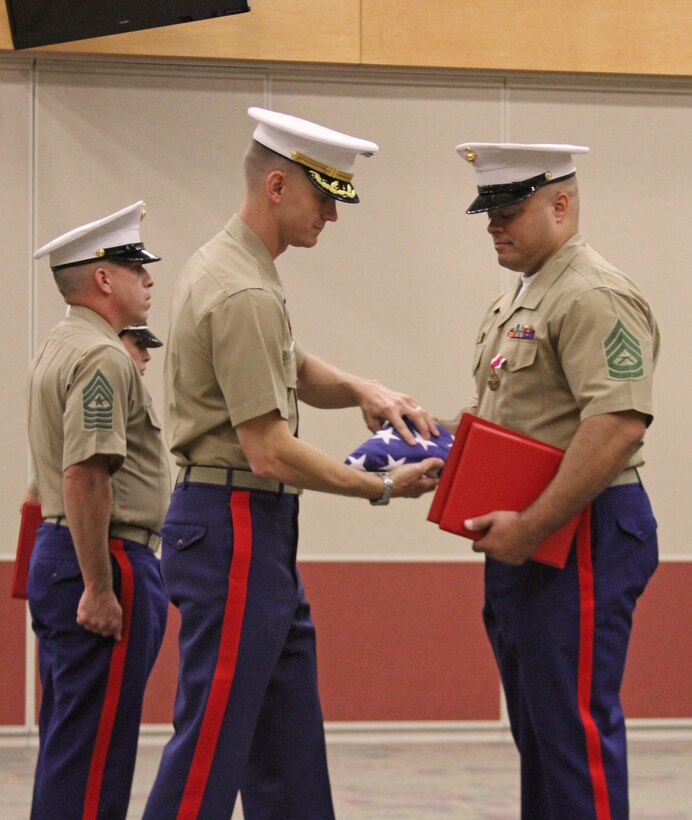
point(419, 781)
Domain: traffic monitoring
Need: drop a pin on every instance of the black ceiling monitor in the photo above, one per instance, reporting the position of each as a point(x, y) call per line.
point(42, 22)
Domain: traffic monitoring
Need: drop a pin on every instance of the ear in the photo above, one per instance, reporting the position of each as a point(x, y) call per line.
point(103, 279)
point(560, 206)
point(275, 184)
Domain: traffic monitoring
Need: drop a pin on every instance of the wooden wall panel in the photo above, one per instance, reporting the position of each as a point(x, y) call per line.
point(325, 31)
point(5, 36)
point(604, 36)
point(593, 36)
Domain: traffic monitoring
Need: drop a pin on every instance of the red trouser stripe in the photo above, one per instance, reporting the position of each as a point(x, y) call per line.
point(226, 661)
point(585, 674)
point(113, 686)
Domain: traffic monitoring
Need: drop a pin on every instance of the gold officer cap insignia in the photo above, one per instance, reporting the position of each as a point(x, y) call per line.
point(470, 155)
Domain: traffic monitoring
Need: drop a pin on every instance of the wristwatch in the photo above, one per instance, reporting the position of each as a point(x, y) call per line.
point(386, 493)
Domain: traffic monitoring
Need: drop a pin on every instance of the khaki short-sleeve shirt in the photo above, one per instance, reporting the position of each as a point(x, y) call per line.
point(230, 355)
point(580, 341)
point(86, 398)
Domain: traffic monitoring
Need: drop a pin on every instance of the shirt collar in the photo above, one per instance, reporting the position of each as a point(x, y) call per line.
point(85, 314)
point(243, 234)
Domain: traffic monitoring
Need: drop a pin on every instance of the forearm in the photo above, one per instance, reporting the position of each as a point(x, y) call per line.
point(87, 495)
point(307, 467)
point(599, 451)
point(272, 452)
point(322, 385)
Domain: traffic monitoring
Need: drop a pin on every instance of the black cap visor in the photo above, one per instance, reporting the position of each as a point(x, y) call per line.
point(143, 333)
point(130, 253)
point(491, 197)
point(335, 188)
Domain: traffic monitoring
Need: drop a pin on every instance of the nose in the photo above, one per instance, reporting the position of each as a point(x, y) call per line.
point(146, 356)
point(329, 213)
point(493, 224)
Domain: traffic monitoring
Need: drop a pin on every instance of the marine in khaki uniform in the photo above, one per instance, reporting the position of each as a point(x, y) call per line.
point(138, 340)
point(566, 356)
point(95, 592)
point(247, 711)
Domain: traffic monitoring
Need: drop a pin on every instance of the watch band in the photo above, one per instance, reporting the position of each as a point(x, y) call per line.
point(386, 492)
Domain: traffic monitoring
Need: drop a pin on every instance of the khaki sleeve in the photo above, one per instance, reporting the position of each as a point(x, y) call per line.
point(607, 349)
point(252, 353)
point(301, 356)
point(96, 409)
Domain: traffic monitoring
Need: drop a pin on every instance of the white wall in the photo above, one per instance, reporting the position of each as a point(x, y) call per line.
point(395, 289)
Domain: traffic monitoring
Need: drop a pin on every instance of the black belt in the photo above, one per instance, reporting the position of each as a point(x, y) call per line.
point(140, 535)
point(232, 478)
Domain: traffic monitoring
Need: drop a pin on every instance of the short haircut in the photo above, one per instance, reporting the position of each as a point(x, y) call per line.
point(260, 160)
point(74, 281)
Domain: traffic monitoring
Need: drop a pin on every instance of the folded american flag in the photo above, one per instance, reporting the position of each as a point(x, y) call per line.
point(386, 450)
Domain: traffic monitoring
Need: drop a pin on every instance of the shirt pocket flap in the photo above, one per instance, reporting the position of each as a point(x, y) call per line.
point(65, 570)
point(182, 536)
point(638, 526)
point(523, 356)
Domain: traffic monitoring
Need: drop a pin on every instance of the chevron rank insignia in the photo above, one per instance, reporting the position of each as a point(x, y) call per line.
point(97, 403)
point(623, 354)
